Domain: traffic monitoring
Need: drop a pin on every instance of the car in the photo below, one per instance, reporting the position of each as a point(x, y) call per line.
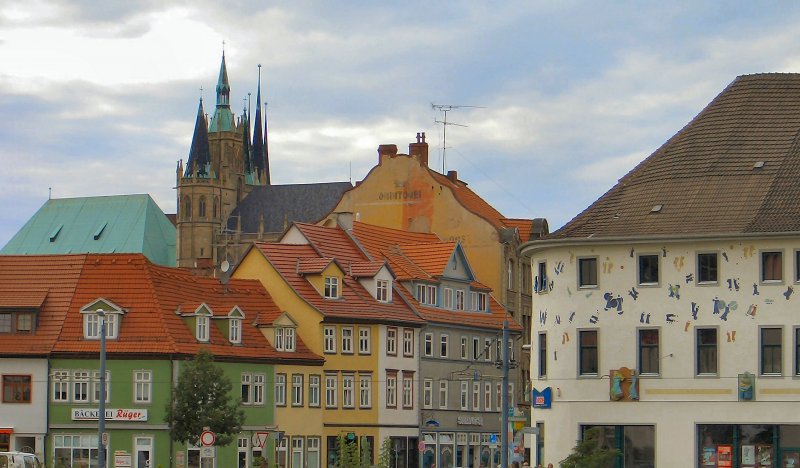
point(19, 460)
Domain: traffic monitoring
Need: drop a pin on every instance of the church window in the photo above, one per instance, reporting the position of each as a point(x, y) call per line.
point(187, 208)
point(216, 207)
point(201, 207)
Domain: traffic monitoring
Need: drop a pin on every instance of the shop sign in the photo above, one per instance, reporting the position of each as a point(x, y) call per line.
point(122, 459)
point(112, 414)
point(470, 421)
point(543, 399)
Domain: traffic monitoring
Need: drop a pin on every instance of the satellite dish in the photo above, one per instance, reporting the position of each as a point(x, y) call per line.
point(225, 266)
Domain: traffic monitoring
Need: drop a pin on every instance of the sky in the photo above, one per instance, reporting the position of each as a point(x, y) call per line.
point(554, 101)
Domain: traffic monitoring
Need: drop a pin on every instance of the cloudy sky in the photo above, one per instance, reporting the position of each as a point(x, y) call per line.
point(99, 98)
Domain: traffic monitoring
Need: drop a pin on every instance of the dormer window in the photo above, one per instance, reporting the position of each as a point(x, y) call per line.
point(19, 323)
point(235, 330)
point(202, 328)
point(384, 291)
point(331, 287)
point(284, 339)
point(426, 294)
point(98, 312)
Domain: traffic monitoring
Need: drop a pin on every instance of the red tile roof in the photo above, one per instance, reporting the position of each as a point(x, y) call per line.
point(22, 299)
point(312, 265)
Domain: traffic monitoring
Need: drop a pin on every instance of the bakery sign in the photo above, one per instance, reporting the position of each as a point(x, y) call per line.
point(112, 414)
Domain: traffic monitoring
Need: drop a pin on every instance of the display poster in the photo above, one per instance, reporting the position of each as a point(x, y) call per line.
point(724, 456)
point(748, 455)
point(764, 455)
point(791, 460)
point(709, 456)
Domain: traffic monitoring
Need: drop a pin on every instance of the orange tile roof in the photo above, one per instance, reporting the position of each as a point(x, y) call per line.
point(469, 199)
point(22, 299)
point(524, 227)
point(432, 257)
point(365, 269)
point(312, 265)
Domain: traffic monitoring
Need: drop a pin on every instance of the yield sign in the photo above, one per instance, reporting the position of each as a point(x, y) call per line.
point(260, 438)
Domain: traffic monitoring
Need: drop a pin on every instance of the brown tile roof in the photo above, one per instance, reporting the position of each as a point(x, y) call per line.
point(356, 304)
point(705, 178)
point(365, 269)
point(469, 199)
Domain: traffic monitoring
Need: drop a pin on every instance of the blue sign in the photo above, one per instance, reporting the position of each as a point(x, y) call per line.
point(543, 399)
point(492, 438)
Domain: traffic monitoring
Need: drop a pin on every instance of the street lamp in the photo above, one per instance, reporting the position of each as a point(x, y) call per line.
point(504, 420)
point(101, 417)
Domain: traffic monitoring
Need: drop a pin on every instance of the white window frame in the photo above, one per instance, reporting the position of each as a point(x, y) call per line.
point(432, 294)
point(444, 346)
point(444, 389)
point(427, 345)
point(142, 386)
point(487, 348)
point(81, 379)
point(483, 302)
point(464, 347)
point(408, 391)
point(473, 300)
point(61, 385)
point(476, 348)
point(280, 389)
point(364, 340)
point(259, 384)
point(348, 391)
point(464, 396)
point(391, 341)
point(297, 389)
point(383, 291)
point(331, 287)
point(447, 300)
point(347, 340)
point(314, 381)
point(202, 328)
point(427, 393)
point(235, 330)
point(460, 298)
point(96, 386)
point(391, 389)
point(329, 340)
point(476, 396)
point(91, 326)
point(331, 391)
point(487, 396)
point(365, 391)
point(408, 342)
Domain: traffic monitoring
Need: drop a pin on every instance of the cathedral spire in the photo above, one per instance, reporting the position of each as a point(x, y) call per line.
point(222, 121)
point(199, 155)
point(258, 148)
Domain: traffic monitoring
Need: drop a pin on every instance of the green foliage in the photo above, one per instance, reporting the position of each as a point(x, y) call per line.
point(201, 399)
point(589, 453)
point(366, 453)
point(348, 453)
point(386, 454)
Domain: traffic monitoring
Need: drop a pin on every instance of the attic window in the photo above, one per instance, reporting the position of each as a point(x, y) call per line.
point(55, 232)
point(758, 165)
point(657, 209)
point(99, 231)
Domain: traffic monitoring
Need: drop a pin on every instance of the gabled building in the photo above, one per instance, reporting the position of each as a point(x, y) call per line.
point(346, 308)
point(460, 349)
point(666, 311)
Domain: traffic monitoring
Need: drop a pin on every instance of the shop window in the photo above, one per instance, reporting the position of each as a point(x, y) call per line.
point(707, 271)
point(706, 351)
point(649, 358)
point(587, 355)
point(636, 444)
point(771, 351)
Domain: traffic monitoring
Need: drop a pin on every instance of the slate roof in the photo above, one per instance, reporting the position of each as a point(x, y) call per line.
point(110, 224)
point(281, 205)
point(734, 169)
point(152, 297)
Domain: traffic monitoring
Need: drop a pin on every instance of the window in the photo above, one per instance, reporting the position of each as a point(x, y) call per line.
point(24, 323)
point(464, 347)
point(60, 385)
point(648, 269)
point(476, 396)
point(259, 380)
point(797, 351)
point(649, 357)
point(427, 393)
point(444, 346)
point(284, 339)
point(707, 268)
point(771, 266)
point(587, 355)
point(431, 294)
point(487, 396)
point(202, 328)
point(331, 391)
point(391, 341)
point(510, 274)
point(408, 342)
point(771, 350)
point(540, 284)
point(542, 355)
point(80, 386)
point(487, 350)
point(587, 272)
point(235, 330)
point(365, 391)
point(347, 340)
point(464, 395)
point(142, 386)
point(363, 340)
point(91, 326)
point(448, 298)
point(483, 302)
point(313, 390)
point(476, 348)
point(510, 396)
point(391, 389)
point(201, 207)
point(5, 323)
point(443, 393)
point(297, 390)
point(297, 451)
point(348, 390)
point(473, 300)
point(383, 291)
point(76, 450)
point(187, 208)
point(313, 452)
point(331, 287)
point(96, 386)
point(280, 389)
point(459, 299)
point(428, 344)
point(706, 351)
point(408, 390)
point(329, 339)
point(499, 390)
point(16, 389)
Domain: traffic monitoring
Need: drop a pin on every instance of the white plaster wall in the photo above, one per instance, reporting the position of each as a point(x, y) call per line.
point(397, 415)
point(26, 419)
point(676, 400)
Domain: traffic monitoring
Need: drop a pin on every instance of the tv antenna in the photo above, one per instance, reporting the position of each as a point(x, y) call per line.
point(444, 109)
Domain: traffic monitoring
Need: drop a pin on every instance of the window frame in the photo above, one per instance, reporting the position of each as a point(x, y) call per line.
point(61, 386)
point(280, 389)
point(447, 298)
point(476, 348)
point(591, 349)
point(391, 388)
point(460, 300)
point(408, 342)
point(444, 346)
point(427, 393)
point(581, 276)
point(762, 267)
point(391, 341)
point(235, 330)
point(365, 390)
point(464, 347)
point(641, 270)
point(348, 390)
point(314, 390)
point(702, 348)
point(540, 282)
point(142, 384)
point(347, 341)
point(776, 350)
point(464, 396)
point(641, 347)
point(331, 287)
point(259, 387)
point(702, 280)
point(542, 362)
point(383, 291)
point(364, 340)
point(329, 340)
point(427, 345)
point(331, 390)
point(203, 328)
point(15, 384)
point(408, 390)
point(298, 385)
point(444, 393)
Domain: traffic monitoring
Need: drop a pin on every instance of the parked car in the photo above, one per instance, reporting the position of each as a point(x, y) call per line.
point(19, 460)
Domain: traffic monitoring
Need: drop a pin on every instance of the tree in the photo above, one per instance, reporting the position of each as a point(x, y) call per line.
point(348, 451)
point(202, 399)
point(366, 452)
point(589, 453)
point(386, 454)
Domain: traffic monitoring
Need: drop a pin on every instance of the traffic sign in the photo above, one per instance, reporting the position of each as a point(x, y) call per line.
point(421, 446)
point(260, 438)
point(207, 438)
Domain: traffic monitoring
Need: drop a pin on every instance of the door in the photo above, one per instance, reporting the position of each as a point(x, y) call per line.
point(144, 451)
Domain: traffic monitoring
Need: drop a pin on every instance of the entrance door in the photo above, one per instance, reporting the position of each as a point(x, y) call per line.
point(144, 452)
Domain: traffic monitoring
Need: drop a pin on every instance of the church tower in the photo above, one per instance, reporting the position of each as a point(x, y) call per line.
point(221, 170)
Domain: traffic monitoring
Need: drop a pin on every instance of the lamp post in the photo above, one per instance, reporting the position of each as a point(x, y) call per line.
point(504, 417)
point(101, 417)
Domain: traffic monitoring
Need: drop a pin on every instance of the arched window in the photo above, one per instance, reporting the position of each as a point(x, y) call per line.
point(201, 207)
point(216, 207)
point(187, 207)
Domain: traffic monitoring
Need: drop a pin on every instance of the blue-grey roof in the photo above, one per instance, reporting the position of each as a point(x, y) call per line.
point(119, 223)
point(284, 204)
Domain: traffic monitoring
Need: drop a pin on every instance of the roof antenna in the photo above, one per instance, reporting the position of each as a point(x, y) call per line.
point(445, 108)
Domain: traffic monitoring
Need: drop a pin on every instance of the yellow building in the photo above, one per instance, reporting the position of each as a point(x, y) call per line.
point(342, 306)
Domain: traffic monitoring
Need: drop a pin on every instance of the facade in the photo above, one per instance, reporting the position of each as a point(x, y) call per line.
point(460, 377)
point(666, 310)
point(402, 192)
point(345, 307)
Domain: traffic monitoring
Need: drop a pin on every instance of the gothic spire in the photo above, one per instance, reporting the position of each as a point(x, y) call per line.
point(259, 155)
point(199, 155)
point(222, 121)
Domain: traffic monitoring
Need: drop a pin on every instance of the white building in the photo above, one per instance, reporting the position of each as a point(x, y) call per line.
point(668, 311)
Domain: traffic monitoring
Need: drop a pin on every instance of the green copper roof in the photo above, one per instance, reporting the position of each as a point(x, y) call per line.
point(222, 121)
point(120, 223)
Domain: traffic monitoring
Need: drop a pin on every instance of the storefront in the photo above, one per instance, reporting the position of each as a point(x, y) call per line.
point(748, 445)
point(460, 449)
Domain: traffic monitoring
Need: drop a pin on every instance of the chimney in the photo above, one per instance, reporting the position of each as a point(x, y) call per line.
point(419, 150)
point(386, 150)
point(453, 176)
